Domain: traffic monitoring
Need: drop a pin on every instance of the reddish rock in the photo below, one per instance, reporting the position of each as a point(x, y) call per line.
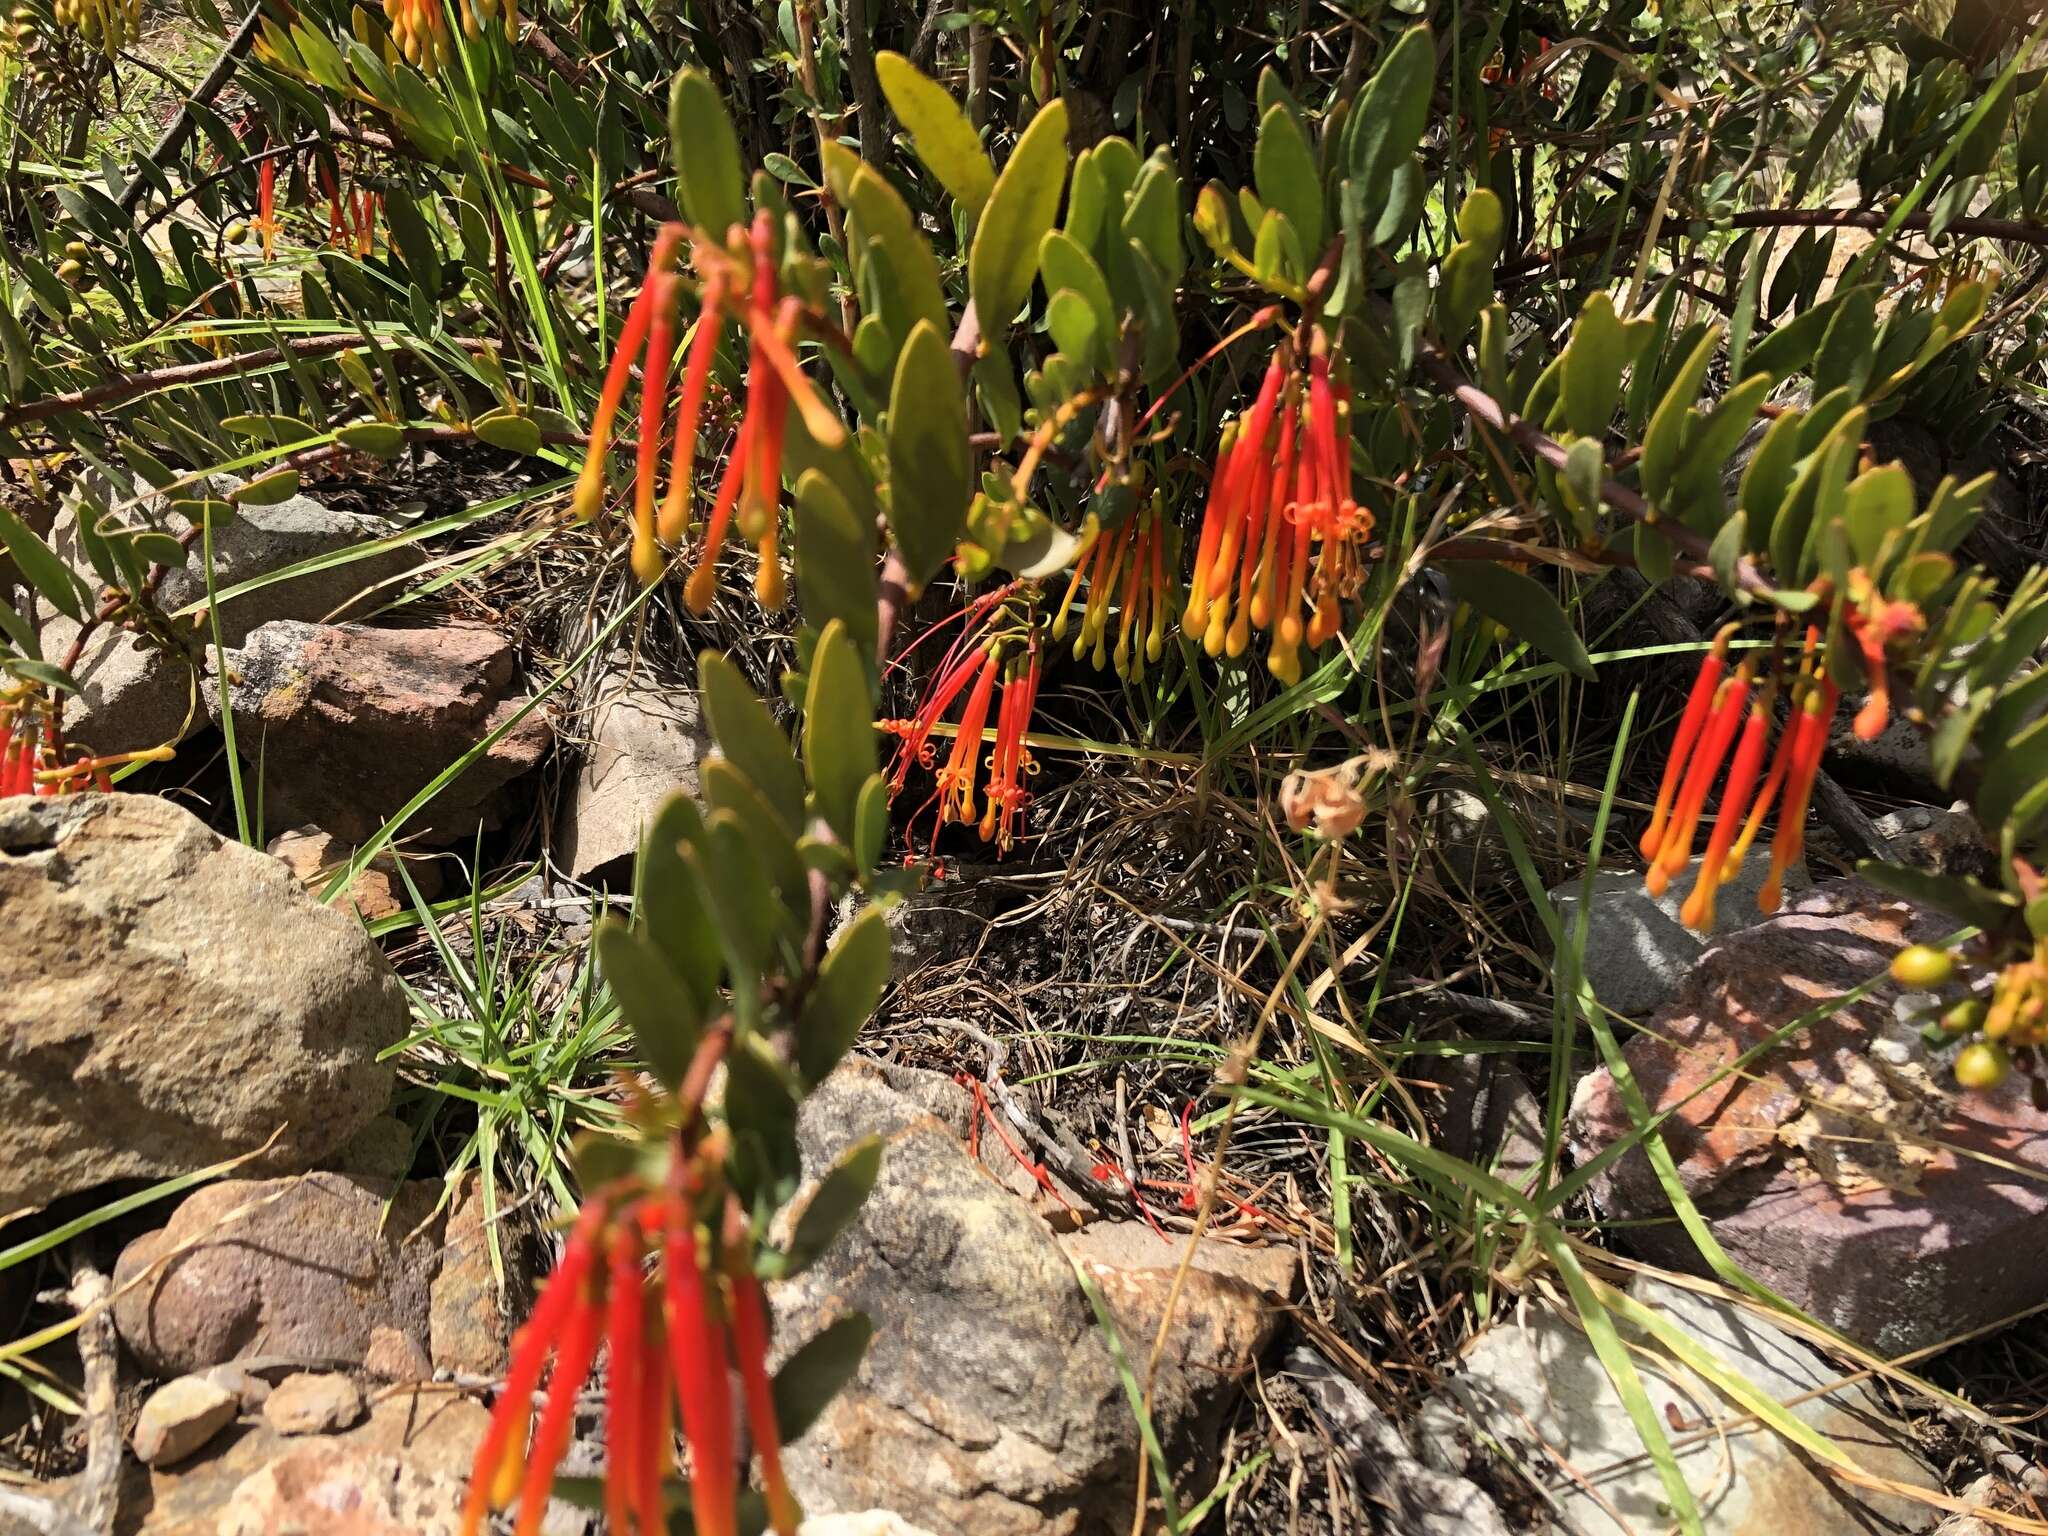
point(350, 722)
point(311, 1268)
point(468, 1322)
point(1861, 1186)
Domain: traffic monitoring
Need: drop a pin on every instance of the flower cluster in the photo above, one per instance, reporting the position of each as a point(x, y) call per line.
point(673, 1340)
point(1281, 491)
point(1725, 711)
point(109, 23)
point(738, 282)
point(1130, 563)
point(999, 643)
point(420, 28)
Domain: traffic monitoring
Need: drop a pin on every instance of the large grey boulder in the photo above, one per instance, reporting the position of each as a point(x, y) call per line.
point(988, 1403)
point(174, 1000)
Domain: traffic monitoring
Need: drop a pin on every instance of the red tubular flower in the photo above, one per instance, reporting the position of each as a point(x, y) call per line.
point(702, 584)
point(750, 1354)
point(626, 1399)
point(573, 1359)
point(1012, 761)
point(1279, 522)
point(697, 1350)
point(1690, 723)
point(589, 495)
point(265, 221)
point(501, 1458)
point(916, 732)
point(1698, 911)
point(1722, 725)
point(689, 408)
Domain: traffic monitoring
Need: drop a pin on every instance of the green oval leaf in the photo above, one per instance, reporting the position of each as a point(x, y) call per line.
point(510, 430)
point(1021, 208)
point(939, 131)
point(839, 732)
point(931, 471)
point(379, 439)
point(267, 490)
point(710, 184)
point(1522, 606)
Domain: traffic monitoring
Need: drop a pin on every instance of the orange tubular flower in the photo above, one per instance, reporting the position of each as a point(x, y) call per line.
point(1698, 911)
point(1815, 717)
point(626, 1400)
point(265, 222)
point(1012, 761)
point(588, 499)
point(956, 779)
point(675, 506)
point(646, 555)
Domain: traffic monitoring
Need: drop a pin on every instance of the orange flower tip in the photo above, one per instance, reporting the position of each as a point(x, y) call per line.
point(768, 585)
point(647, 561)
point(1871, 720)
point(1656, 880)
point(701, 587)
point(588, 499)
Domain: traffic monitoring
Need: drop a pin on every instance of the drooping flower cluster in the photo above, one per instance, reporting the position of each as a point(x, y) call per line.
point(1130, 564)
point(739, 282)
point(999, 643)
point(109, 23)
point(35, 759)
point(351, 211)
point(673, 1341)
point(1727, 710)
point(1281, 493)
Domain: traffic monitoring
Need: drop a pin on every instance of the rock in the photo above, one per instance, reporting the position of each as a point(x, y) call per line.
point(1637, 951)
point(1486, 1114)
point(382, 1149)
point(313, 857)
point(988, 1402)
point(1534, 1386)
point(350, 722)
point(872, 1522)
point(401, 1472)
point(1842, 1170)
point(180, 1417)
point(1424, 1500)
point(175, 1000)
point(310, 1403)
point(393, 1354)
point(466, 1315)
point(647, 736)
point(1945, 842)
point(1897, 760)
point(1464, 835)
point(134, 696)
point(308, 1268)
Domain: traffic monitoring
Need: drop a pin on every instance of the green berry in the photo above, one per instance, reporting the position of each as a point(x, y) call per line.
point(1982, 1064)
point(1922, 967)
